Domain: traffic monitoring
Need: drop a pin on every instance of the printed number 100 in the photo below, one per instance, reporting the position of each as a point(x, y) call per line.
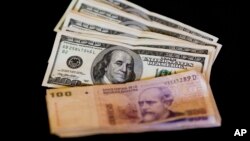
point(61, 94)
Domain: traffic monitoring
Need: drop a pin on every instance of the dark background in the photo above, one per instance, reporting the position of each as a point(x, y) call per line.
point(222, 19)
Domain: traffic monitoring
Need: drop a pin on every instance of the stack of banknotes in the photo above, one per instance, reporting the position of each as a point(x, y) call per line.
point(121, 68)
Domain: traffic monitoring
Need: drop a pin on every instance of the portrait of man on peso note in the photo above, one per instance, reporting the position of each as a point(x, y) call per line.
point(155, 104)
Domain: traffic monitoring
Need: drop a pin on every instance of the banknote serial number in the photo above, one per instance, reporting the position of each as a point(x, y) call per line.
point(61, 94)
point(182, 79)
point(67, 48)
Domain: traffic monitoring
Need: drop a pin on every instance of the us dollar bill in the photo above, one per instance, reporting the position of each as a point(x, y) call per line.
point(85, 61)
point(180, 101)
point(151, 43)
point(82, 23)
point(132, 8)
point(86, 22)
point(115, 15)
point(139, 11)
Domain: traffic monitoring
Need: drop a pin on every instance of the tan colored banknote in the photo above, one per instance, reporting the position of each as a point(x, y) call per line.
point(175, 102)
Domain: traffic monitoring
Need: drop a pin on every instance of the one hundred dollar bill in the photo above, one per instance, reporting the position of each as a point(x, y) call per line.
point(176, 102)
point(132, 8)
point(82, 21)
point(79, 60)
point(140, 12)
point(151, 43)
point(111, 31)
point(110, 13)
